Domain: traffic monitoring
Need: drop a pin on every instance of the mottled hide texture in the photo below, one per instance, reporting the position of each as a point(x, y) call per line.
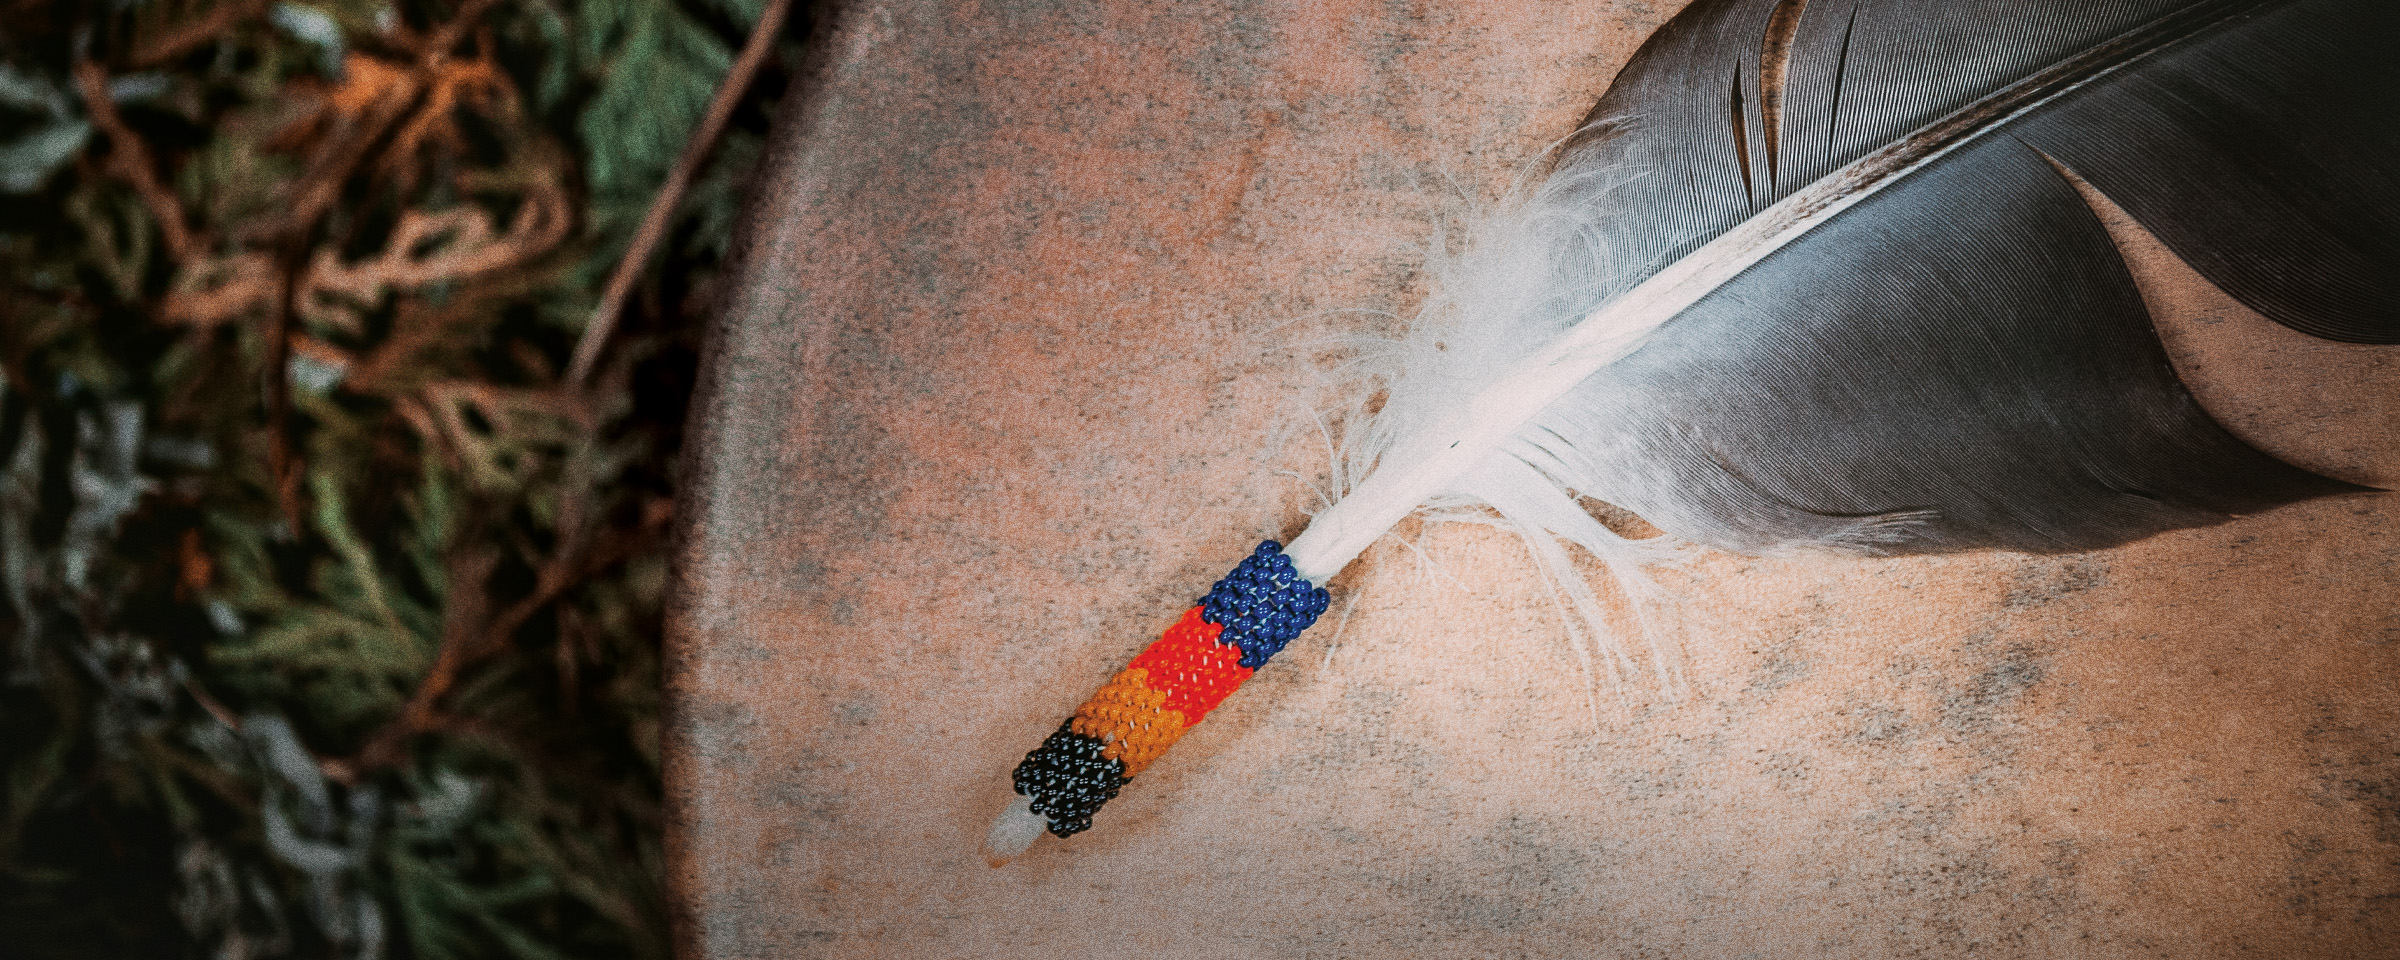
point(986, 409)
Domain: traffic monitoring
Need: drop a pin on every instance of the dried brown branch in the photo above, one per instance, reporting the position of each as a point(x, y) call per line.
point(468, 17)
point(130, 158)
point(376, 100)
point(215, 291)
point(198, 33)
point(464, 243)
point(653, 230)
point(322, 188)
point(208, 702)
point(467, 639)
point(338, 157)
point(466, 246)
point(417, 328)
point(283, 459)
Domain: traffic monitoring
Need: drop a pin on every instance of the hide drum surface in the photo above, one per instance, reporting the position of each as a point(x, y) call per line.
point(1021, 362)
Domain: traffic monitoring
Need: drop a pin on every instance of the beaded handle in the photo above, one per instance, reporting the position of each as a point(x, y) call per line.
point(1246, 619)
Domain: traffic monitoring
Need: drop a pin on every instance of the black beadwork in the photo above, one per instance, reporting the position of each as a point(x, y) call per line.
point(1263, 604)
point(1067, 780)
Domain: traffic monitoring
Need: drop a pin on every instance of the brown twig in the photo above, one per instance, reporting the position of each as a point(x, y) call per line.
point(320, 187)
point(130, 158)
point(215, 707)
point(452, 32)
point(198, 33)
point(283, 459)
point(323, 187)
point(653, 230)
point(466, 640)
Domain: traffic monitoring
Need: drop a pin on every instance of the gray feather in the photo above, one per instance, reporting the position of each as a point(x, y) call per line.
point(1962, 360)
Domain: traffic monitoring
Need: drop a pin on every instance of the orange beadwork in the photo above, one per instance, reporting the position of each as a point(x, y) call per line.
point(1128, 716)
point(1163, 692)
point(1196, 671)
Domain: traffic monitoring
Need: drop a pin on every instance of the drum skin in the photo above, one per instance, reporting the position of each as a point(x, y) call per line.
point(1020, 356)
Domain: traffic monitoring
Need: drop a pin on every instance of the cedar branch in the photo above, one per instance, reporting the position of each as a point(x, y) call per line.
point(466, 642)
point(321, 189)
point(130, 158)
point(653, 230)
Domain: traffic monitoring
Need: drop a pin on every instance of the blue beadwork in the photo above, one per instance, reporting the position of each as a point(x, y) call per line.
point(1263, 604)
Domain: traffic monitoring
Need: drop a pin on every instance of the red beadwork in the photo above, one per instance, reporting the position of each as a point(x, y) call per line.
point(1194, 670)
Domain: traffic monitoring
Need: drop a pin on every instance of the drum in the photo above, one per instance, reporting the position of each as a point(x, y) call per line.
point(1024, 351)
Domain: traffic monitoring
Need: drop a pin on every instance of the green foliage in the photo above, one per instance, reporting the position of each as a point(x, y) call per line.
point(328, 612)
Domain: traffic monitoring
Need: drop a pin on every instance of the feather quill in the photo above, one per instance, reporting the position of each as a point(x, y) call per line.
point(1816, 275)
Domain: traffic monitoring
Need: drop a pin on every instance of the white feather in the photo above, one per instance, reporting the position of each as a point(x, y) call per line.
point(1522, 278)
point(1475, 406)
